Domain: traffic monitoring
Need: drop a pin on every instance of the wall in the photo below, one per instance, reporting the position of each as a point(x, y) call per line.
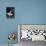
point(31, 11)
point(6, 25)
point(27, 12)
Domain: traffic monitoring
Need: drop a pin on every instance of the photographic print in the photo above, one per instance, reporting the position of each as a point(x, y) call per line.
point(10, 12)
point(28, 34)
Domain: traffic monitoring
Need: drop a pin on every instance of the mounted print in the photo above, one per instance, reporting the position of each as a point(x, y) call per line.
point(10, 12)
point(32, 32)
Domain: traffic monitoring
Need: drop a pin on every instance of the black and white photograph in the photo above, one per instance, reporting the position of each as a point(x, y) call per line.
point(31, 34)
point(10, 12)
